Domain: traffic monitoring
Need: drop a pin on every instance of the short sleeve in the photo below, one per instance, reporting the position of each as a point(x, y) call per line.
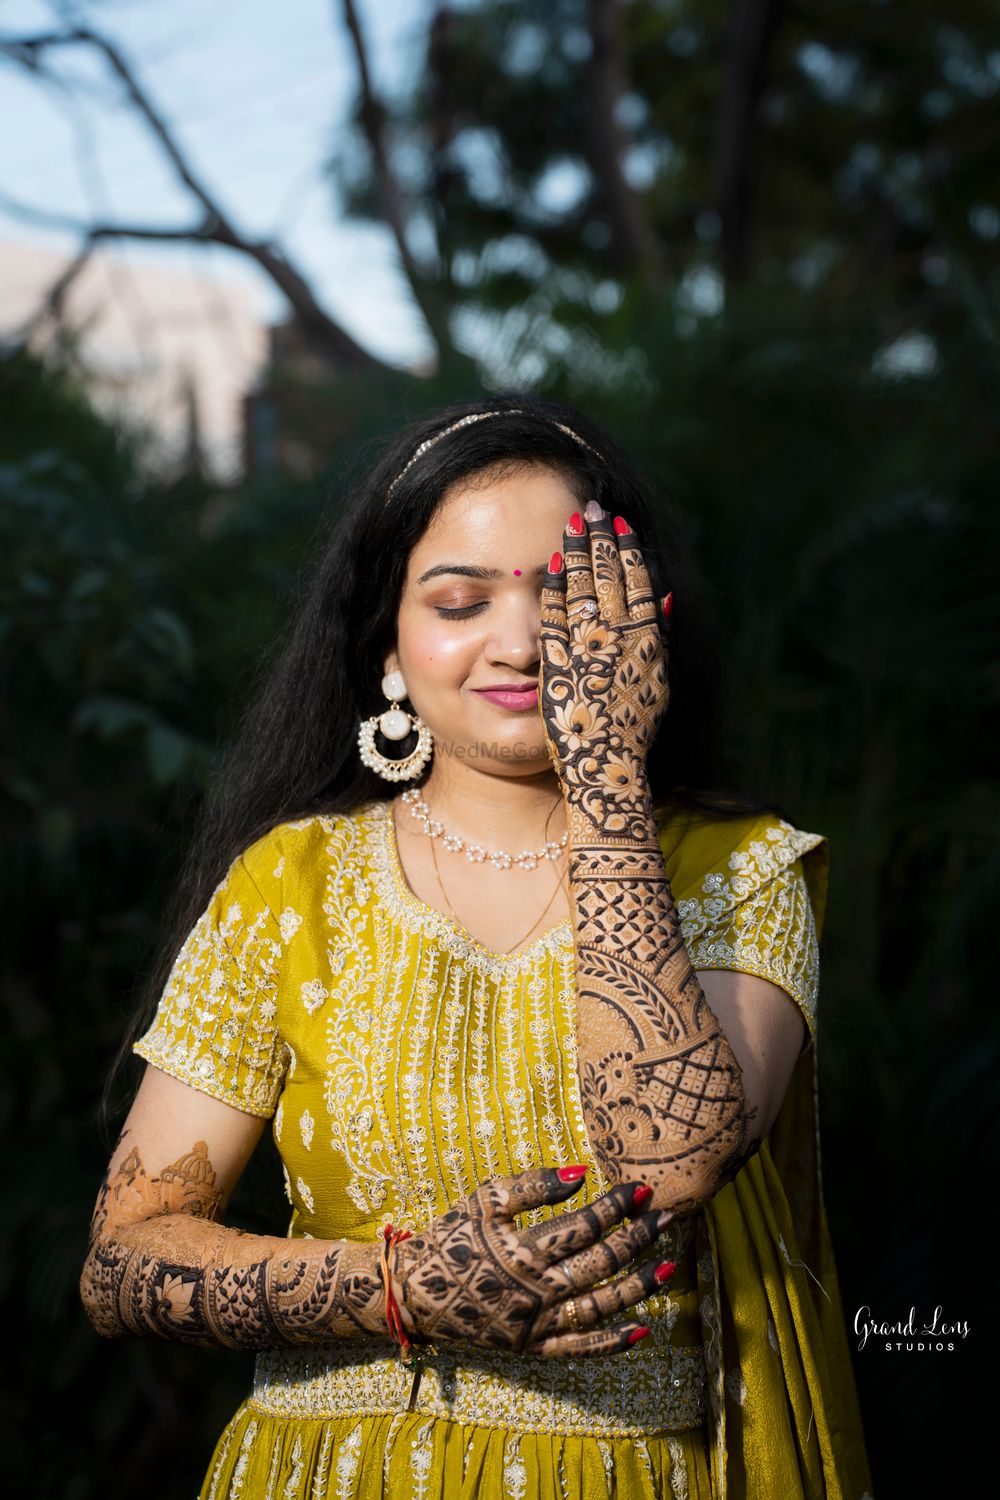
point(754, 902)
point(216, 1025)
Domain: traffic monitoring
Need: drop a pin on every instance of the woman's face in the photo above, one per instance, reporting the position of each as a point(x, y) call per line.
point(502, 533)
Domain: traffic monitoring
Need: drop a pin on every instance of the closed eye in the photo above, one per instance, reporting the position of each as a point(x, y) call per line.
point(461, 613)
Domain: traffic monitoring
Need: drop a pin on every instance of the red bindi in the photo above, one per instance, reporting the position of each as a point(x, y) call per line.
point(517, 572)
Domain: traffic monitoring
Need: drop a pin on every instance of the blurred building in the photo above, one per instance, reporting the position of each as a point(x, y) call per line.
point(173, 352)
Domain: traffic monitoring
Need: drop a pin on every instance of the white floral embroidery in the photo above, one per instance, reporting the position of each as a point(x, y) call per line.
point(215, 1026)
point(390, 1438)
point(607, 1458)
point(219, 1464)
point(423, 1458)
point(678, 1470)
point(322, 1468)
point(306, 1127)
point(515, 1471)
point(279, 868)
point(295, 1473)
point(760, 920)
point(279, 1119)
point(314, 992)
point(240, 1469)
point(289, 922)
point(347, 1463)
point(303, 1191)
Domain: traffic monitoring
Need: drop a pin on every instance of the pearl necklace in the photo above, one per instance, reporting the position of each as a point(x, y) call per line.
point(527, 859)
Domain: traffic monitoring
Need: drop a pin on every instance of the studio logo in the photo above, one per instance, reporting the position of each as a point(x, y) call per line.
point(935, 1334)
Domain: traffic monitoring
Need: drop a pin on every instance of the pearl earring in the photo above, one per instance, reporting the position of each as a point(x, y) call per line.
point(395, 724)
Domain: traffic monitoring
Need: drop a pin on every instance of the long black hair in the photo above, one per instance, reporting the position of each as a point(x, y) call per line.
point(295, 752)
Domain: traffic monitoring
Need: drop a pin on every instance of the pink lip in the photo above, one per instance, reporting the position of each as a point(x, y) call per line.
point(526, 698)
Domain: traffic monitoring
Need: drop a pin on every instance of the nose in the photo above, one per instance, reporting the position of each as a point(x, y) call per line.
point(515, 638)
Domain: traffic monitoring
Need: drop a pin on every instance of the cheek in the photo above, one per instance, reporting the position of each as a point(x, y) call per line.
point(436, 649)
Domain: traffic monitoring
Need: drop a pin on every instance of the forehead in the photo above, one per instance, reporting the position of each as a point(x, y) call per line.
point(478, 508)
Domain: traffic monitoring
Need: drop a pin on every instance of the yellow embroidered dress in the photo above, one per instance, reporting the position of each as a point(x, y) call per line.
point(403, 1064)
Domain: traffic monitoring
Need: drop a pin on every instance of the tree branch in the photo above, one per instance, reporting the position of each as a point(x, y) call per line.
point(631, 243)
point(216, 227)
point(373, 118)
point(752, 29)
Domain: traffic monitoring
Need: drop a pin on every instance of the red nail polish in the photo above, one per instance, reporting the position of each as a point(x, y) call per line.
point(664, 1271)
point(571, 1174)
point(575, 526)
point(641, 1195)
point(640, 1333)
point(668, 605)
point(620, 526)
point(555, 563)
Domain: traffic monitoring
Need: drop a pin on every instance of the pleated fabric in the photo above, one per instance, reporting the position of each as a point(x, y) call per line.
point(407, 1456)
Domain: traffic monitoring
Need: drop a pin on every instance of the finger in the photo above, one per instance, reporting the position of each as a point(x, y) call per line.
point(554, 629)
point(588, 1310)
point(643, 607)
point(608, 1256)
point(613, 1340)
point(565, 1233)
point(606, 565)
point(503, 1197)
point(580, 589)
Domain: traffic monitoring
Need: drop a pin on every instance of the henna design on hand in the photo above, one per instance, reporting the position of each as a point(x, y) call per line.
point(604, 685)
point(661, 1086)
point(473, 1276)
point(159, 1264)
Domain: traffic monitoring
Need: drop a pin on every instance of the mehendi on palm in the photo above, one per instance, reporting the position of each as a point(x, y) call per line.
point(661, 1087)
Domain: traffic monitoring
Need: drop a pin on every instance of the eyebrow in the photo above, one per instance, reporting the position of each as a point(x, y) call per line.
point(467, 570)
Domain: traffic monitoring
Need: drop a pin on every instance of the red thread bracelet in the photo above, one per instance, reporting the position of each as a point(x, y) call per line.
point(393, 1319)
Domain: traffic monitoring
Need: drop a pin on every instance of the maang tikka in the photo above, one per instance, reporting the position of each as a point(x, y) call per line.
point(395, 724)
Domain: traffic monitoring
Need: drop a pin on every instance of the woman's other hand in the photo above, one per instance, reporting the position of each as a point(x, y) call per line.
point(474, 1276)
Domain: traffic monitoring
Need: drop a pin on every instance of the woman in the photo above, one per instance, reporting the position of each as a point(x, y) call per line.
point(536, 1033)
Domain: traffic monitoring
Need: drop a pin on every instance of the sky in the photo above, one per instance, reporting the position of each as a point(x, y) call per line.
point(256, 91)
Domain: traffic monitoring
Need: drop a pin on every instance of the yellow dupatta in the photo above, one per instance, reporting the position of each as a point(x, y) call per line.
point(785, 1423)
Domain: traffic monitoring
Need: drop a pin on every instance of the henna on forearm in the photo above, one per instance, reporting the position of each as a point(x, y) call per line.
point(160, 1264)
point(662, 1089)
point(661, 1086)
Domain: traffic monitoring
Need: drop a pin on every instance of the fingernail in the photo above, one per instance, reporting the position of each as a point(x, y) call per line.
point(668, 605)
point(571, 1174)
point(640, 1333)
point(663, 1218)
point(593, 511)
point(575, 524)
point(621, 526)
point(664, 1271)
point(642, 1195)
point(555, 563)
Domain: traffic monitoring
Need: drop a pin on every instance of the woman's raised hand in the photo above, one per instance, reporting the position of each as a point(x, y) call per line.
point(603, 682)
point(473, 1275)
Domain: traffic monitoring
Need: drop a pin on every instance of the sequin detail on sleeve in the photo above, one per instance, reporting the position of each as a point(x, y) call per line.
point(757, 917)
point(216, 1026)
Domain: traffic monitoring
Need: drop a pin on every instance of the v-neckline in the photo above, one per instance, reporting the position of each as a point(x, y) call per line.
point(554, 938)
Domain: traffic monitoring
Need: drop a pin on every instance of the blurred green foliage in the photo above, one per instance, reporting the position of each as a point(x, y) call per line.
point(823, 411)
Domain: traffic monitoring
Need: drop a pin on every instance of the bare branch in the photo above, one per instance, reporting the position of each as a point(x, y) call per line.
point(373, 118)
point(53, 304)
point(216, 227)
